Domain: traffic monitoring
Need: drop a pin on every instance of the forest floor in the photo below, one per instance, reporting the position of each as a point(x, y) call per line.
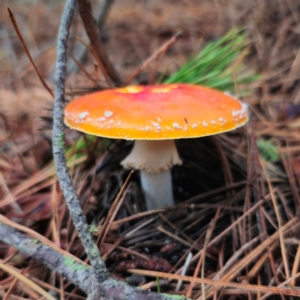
point(237, 194)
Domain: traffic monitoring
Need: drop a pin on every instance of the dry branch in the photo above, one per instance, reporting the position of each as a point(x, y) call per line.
point(78, 217)
point(77, 273)
point(86, 13)
point(80, 50)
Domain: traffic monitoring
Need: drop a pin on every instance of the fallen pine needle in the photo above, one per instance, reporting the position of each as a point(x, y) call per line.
point(24, 279)
point(27, 51)
point(250, 287)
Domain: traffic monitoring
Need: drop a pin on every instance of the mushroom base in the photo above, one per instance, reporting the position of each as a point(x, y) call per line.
point(157, 189)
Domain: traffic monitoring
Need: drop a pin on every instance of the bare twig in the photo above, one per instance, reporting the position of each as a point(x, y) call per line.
point(81, 51)
point(37, 237)
point(86, 13)
point(76, 272)
point(100, 271)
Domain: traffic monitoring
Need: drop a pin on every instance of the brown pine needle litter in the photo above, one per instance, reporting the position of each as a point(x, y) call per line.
point(237, 194)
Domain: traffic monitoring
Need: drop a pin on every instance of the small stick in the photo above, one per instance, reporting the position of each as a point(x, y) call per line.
point(35, 235)
point(162, 49)
point(82, 51)
point(152, 77)
point(86, 13)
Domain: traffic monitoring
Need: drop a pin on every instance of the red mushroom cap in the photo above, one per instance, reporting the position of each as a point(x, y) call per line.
point(157, 112)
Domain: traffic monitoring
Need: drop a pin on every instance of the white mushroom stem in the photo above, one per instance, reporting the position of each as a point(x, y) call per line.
point(157, 189)
point(155, 160)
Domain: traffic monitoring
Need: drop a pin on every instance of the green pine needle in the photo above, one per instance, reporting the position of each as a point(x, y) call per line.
point(157, 284)
point(219, 64)
point(268, 150)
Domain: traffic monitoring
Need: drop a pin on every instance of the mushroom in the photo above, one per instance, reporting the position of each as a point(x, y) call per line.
point(154, 116)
